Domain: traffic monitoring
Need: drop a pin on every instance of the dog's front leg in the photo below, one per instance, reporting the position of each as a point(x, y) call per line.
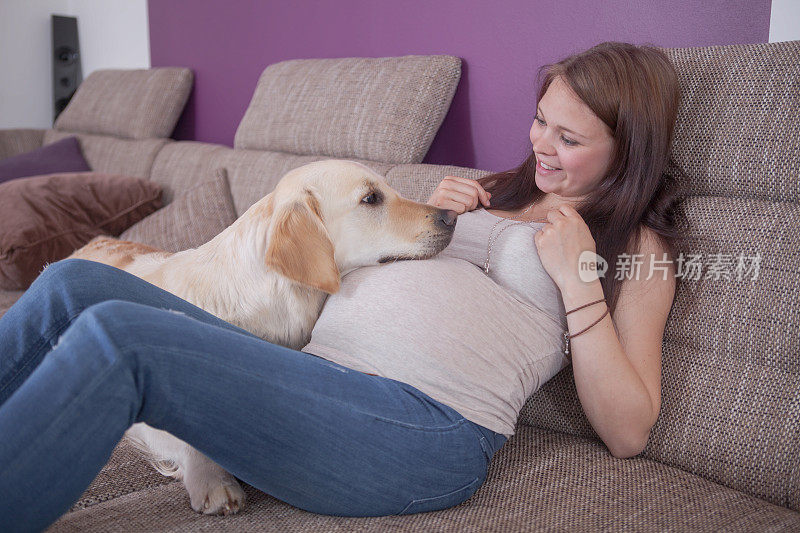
point(212, 490)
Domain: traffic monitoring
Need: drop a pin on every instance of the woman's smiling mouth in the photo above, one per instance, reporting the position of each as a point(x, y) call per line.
point(544, 168)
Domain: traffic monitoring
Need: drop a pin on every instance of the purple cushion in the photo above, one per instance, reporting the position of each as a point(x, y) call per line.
point(62, 156)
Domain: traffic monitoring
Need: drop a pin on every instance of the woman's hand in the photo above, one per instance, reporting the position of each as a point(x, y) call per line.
point(560, 244)
point(459, 194)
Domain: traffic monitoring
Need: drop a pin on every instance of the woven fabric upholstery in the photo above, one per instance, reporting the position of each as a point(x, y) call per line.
point(731, 387)
point(18, 141)
point(382, 109)
point(730, 407)
point(539, 481)
point(181, 165)
point(132, 104)
point(253, 174)
point(112, 155)
point(738, 128)
point(126, 471)
point(192, 219)
point(417, 182)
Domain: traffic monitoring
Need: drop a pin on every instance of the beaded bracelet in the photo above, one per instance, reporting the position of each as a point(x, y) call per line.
point(567, 336)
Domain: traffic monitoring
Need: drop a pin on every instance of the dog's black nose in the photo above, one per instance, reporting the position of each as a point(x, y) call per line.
point(447, 217)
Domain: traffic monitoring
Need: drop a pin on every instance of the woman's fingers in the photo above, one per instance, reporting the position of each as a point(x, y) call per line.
point(451, 205)
point(459, 194)
point(467, 186)
point(456, 201)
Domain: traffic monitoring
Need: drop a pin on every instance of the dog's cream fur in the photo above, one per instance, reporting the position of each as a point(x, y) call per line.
point(270, 272)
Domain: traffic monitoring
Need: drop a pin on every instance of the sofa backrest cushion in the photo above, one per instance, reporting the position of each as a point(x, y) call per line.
point(253, 174)
point(181, 165)
point(417, 182)
point(19, 140)
point(113, 155)
point(381, 109)
point(132, 104)
point(737, 131)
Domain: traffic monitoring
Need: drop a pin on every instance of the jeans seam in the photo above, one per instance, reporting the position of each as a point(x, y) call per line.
point(460, 489)
point(417, 427)
point(484, 444)
point(46, 338)
point(98, 378)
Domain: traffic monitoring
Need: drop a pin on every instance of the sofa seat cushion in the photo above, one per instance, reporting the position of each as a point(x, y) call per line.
point(540, 480)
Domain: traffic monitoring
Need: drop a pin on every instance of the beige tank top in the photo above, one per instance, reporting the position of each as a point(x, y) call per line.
point(479, 344)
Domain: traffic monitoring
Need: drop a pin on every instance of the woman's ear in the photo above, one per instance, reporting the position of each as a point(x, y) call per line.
point(300, 247)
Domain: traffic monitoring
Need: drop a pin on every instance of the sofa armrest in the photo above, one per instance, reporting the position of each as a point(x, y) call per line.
point(19, 141)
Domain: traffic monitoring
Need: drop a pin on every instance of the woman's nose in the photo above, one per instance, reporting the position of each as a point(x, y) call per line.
point(541, 143)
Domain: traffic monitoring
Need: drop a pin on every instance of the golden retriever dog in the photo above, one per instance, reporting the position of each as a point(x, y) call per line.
point(270, 272)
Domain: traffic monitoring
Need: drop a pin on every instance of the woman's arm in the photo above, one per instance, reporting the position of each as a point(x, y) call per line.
point(618, 375)
point(617, 371)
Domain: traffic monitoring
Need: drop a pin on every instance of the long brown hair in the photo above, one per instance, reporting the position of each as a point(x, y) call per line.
point(634, 90)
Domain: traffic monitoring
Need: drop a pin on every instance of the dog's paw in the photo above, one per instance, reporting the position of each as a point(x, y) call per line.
point(221, 499)
point(215, 494)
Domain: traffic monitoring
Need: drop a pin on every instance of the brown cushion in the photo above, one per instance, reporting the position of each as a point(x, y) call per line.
point(46, 218)
point(192, 219)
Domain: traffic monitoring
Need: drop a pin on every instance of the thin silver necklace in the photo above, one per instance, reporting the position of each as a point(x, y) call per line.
point(492, 241)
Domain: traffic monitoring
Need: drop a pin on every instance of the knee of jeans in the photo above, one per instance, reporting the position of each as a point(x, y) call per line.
point(107, 322)
point(69, 273)
point(75, 280)
point(105, 332)
point(68, 267)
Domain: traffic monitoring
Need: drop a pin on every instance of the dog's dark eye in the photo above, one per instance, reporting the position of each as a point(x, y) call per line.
point(371, 198)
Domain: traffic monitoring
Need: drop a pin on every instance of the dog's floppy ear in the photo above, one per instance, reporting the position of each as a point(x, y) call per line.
point(300, 248)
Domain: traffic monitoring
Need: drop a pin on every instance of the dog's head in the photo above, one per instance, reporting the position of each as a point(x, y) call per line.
point(329, 217)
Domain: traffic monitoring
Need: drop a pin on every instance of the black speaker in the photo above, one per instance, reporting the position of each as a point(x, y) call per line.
point(67, 74)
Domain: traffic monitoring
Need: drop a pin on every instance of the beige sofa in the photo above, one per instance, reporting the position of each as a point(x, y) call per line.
point(723, 454)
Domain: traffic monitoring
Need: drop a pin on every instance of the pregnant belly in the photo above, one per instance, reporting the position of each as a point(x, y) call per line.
point(430, 319)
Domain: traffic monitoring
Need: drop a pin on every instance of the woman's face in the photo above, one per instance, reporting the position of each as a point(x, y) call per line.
point(567, 135)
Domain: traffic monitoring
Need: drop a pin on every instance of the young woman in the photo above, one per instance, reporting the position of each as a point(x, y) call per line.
point(457, 342)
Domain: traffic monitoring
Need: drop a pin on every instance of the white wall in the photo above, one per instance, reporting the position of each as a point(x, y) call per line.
point(784, 21)
point(112, 34)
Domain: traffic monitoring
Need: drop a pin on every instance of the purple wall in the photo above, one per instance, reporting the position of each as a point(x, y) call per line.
point(228, 43)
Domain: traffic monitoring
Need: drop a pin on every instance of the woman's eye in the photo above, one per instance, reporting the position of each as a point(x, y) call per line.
point(540, 121)
point(370, 198)
point(568, 142)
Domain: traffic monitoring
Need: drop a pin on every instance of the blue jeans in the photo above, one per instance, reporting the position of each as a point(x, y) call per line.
point(89, 350)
